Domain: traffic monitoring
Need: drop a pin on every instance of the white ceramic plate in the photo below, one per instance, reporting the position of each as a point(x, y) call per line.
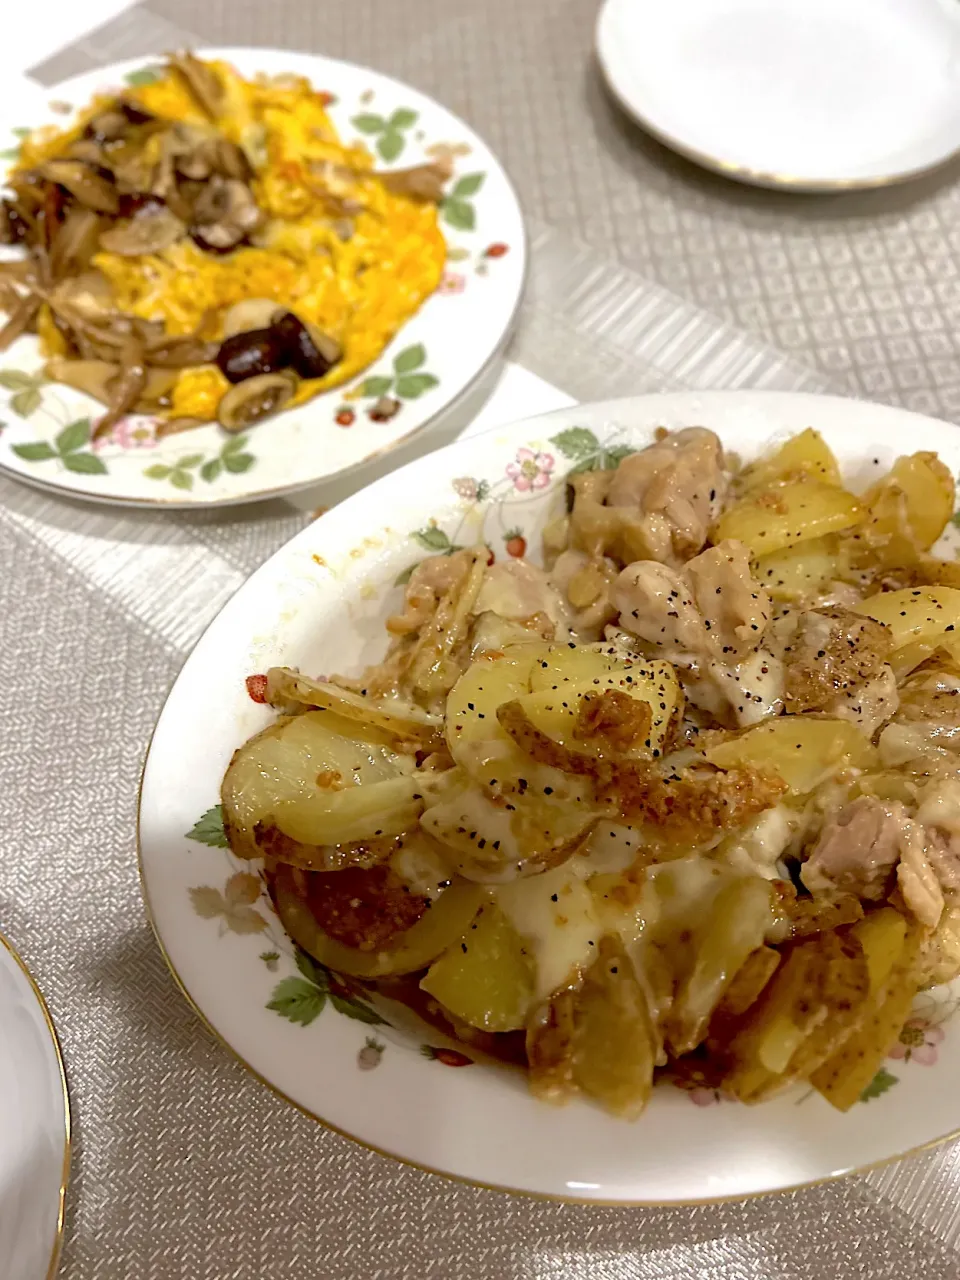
point(34, 1127)
point(320, 604)
point(455, 335)
point(820, 95)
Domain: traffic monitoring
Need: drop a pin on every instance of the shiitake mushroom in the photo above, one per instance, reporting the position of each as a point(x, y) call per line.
point(255, 398)
point(251, 353)
point(285, 343)
point(311, 353)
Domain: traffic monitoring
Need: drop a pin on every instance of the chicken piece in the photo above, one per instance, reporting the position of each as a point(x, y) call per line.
point(709, 618)
point(916, 878)
point(712, 610)
point(656, 604)
point(735, 608)
point(678, 486)
point(857, 851)
point(520, 592)
point(429, 582)
point(835, 662)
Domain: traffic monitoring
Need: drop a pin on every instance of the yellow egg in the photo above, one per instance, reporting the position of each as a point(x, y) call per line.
point(357, 276)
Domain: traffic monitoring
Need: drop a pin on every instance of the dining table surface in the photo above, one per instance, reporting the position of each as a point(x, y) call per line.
point(646, 274)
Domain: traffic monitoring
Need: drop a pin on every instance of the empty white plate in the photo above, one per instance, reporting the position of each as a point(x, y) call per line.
point(819, 95)
point(34, 1127)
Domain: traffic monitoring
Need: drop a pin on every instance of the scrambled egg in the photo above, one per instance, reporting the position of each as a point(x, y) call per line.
point(338, 248)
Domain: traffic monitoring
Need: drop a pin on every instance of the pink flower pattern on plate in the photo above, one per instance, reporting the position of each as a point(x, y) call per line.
point(131, 433)
point(452, 282)
point(530, 470)
point(918, 1042)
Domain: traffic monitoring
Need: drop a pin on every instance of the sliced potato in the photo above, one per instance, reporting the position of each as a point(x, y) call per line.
point(882, 936)
point(486, 977)
point(803, 571)
point(803, 751)
point(792, 513)
point(845, 1075)
point(804, 456)
point(908, 509)
point(285, 686)
point(915, 614)
point(739, 919)
point(562, 715)
point(844, 996)
point(742, 993)
point(312, 768)
point(447, 920)
point(579, 664)
point(776, 1028)
point(614, 1042)
point(471, 715)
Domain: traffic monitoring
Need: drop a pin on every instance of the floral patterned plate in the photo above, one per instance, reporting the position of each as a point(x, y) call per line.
point(45, 429)
point(320, 604)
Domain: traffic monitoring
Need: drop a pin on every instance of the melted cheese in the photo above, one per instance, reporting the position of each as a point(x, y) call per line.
point(556, 917)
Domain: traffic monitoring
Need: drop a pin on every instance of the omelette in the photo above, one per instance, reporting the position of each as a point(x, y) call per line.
point(206, 248)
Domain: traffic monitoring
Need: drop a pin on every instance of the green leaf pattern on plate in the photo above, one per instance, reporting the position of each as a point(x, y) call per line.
point(390, 133)
point(303, 999)
point(180, 473)
point(456, 208)
point(408, 381)
point(208, 829)
point(67, 448)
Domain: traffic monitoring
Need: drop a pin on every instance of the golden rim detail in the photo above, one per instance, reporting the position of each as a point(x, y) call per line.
point(67, 1145)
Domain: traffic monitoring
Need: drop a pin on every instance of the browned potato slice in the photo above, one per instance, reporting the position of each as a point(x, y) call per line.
point(614, 1043)
point(845, 1075)
point(789, 1007)
point(845, 995)
point(321, 780)
point(739, 917)
point(748, 983)
point(447, 920)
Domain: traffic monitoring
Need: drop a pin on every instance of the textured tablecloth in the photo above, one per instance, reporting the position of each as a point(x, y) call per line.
point(646, 275)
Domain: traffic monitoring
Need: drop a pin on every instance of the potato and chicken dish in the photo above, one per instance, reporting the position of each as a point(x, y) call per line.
point(684, 800)
point(205, 248)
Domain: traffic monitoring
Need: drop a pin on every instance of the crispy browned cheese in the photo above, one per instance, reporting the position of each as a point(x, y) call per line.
point(832, 657)
point(275, 844)
point(613, 719)
point(694, 799)
point(362, 908)
point(807, 916)
point(686, 800)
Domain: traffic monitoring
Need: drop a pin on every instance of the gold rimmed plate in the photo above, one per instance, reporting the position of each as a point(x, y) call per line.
point(320, 605)
point(439, 356)
point(34, 1127)
point(830, 95)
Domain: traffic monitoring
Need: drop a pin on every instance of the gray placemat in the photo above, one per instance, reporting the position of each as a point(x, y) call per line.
point(185, 1166)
